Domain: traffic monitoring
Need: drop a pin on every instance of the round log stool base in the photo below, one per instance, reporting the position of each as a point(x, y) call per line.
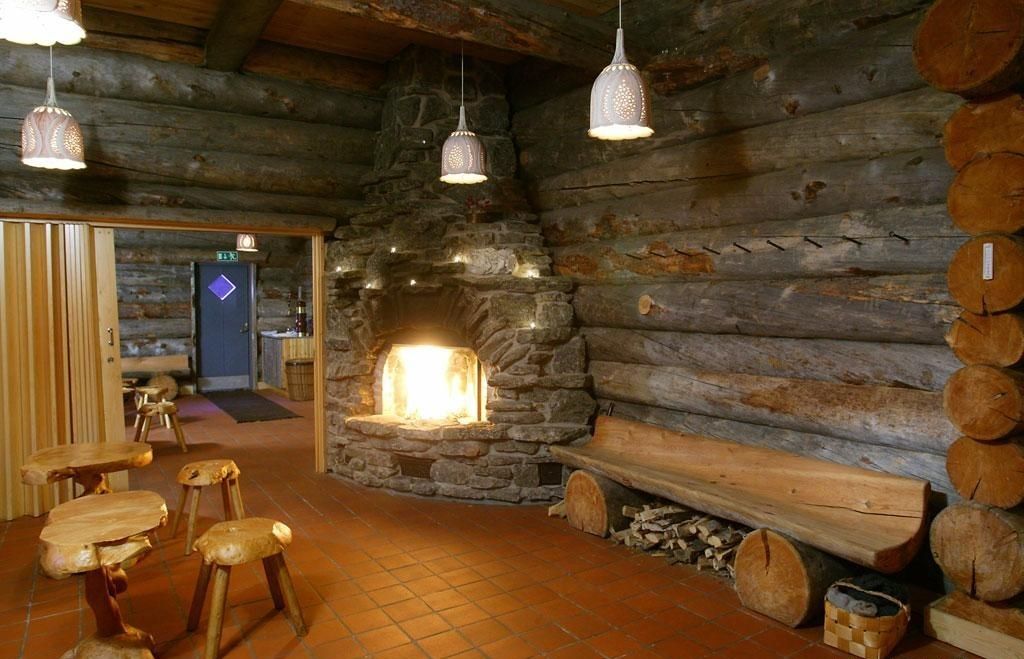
point(228, 544)
point(193, 477)
point(166, 411)
point(145, 395)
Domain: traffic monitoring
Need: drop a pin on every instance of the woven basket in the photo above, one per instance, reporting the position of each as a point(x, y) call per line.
point(869, 638)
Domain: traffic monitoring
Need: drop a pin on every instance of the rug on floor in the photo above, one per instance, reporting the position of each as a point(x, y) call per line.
point(248, 406)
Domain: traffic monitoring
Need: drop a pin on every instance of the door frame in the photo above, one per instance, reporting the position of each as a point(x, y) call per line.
point(122, 219)
point(253, 330)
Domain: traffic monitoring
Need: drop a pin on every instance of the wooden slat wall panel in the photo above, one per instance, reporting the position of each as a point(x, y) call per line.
point(33, 360)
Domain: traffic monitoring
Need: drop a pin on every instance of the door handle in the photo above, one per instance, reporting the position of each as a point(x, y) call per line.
point(245, 328)
point(110, 336)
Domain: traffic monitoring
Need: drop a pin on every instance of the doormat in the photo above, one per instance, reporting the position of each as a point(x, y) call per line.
point(248, 406)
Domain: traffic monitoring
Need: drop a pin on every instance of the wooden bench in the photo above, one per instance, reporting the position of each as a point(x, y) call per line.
point(876, 520)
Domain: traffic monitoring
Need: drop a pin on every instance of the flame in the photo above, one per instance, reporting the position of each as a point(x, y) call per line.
point(431, 383)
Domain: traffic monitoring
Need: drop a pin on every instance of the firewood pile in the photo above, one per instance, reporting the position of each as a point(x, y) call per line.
point(682, 536)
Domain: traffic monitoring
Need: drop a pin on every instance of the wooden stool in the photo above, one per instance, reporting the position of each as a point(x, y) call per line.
point(232, 543)
point(145, 395)
point(167, 411)
point(193, 477)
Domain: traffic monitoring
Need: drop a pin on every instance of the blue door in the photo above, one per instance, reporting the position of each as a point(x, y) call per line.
point(222, 323)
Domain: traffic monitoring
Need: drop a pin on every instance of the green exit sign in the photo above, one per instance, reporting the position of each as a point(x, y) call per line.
point(227, 256)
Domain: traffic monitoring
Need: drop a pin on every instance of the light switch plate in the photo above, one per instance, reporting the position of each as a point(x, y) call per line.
point(988, 268)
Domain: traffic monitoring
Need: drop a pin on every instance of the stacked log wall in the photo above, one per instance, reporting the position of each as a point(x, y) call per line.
point(770, 267)
point(163, 134)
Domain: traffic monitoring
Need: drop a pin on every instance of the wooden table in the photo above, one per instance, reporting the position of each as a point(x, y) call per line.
point(93, 536)
point(88, 464)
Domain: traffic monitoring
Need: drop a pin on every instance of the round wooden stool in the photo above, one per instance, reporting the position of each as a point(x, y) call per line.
point(166, 411)
point(193, 477)
point(237, 542)
point(145, 395)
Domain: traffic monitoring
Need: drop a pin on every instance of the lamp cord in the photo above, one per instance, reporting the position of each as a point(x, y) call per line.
point(51, 61)
point(462, 51)
point(620, 14)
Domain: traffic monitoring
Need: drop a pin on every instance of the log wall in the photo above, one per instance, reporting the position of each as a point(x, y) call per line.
point(769, 268)
point(154, 286)
point(163, 134)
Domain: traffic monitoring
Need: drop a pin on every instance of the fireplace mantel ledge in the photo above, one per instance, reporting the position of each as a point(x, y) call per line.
point(380, 425)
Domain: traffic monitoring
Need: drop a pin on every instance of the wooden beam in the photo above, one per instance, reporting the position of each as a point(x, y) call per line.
point(236, 30)
point(529, 27)
point(317, 68)
point(160, 40)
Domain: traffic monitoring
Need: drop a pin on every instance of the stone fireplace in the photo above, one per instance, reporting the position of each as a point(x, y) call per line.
point(453, 363)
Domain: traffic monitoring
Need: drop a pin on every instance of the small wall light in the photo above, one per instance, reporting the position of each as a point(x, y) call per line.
point(246, 242)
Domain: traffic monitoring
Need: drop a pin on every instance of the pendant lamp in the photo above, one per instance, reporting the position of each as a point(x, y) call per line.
point(463, 159)
point(50, 136)
point(620, 105)
point(246, 242)
point(41, 22)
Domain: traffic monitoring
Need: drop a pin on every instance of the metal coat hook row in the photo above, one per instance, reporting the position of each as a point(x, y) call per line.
point(776, 246)
point(893, 234)
point(708, 249)
point(815, 243)
point(852, 240)
point(741, 247)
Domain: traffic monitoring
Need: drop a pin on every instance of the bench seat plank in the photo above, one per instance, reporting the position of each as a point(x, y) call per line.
point(873, 519)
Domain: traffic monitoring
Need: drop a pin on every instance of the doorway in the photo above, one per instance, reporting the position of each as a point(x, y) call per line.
point(224, 296)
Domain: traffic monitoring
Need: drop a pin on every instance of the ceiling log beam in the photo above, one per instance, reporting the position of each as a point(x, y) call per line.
point(528, 27)
point(237, 28)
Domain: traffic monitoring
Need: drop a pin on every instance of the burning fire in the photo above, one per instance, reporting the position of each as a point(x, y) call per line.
point(432, 383)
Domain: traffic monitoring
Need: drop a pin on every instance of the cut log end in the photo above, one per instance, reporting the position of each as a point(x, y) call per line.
point(971, 47)
point(987, 195)
point(981, 549)
point(593, 503)
point(985, 403)
point(1002, 288)
point(784, 579)
point(996, 340)
point(992, 125)
point(988, 472)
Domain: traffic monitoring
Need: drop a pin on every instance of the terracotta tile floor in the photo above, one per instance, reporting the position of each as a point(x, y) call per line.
point(389, 576)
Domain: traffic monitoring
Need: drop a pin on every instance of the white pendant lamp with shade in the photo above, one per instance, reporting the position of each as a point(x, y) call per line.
point(50, 136)
point(620, 105)
point(463, 159)
point(41, 22)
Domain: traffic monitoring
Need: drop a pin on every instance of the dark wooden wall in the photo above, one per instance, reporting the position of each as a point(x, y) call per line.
point(769, 268)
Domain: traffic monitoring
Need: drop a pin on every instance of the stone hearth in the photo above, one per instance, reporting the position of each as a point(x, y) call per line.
point(465, 265)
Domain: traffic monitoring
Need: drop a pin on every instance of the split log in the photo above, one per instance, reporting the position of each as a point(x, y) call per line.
point(769, 250)
point(810, 190)
point(986, 195)
point(784, 579)
point(894, 124)
point(789, 86)
point(848, 362)
point(148, 215)
point(900, 461)
point(988, 472)
point(966, 275)
point(981, 550)
point(901, 418)
point(971, 47)
point(220, 169)
point(986, 403)
point(133, 77)
point(909, 309)
point(986, 126)
point(45, 187)
point(996, 340)
point(593, 503)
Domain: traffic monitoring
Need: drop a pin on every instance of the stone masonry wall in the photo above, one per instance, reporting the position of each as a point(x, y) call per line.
point(466, 261)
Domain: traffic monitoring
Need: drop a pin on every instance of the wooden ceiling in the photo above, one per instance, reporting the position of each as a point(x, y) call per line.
point(344, 43)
